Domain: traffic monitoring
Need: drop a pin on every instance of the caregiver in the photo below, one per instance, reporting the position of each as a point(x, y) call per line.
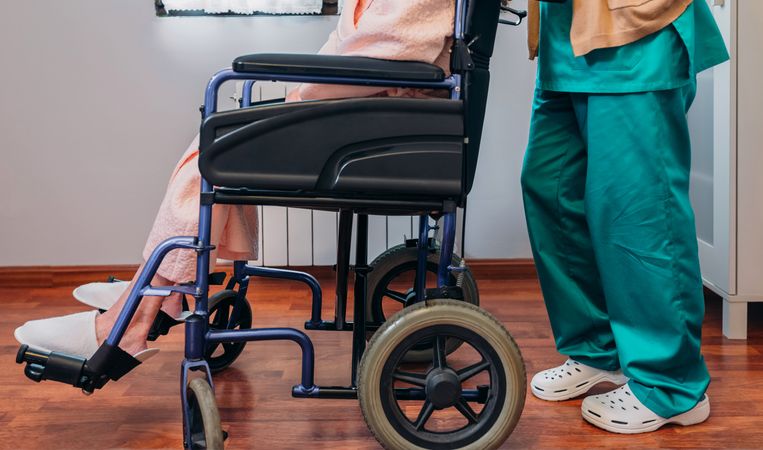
point(606, 194)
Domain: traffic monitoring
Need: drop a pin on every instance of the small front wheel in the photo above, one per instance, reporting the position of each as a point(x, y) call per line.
point(204, 418)
point(469, 399)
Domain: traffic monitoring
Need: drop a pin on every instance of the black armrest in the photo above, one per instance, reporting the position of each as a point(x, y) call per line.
point(337, 66)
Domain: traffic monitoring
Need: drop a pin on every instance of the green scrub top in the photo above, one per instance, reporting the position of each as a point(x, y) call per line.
point(667, 59)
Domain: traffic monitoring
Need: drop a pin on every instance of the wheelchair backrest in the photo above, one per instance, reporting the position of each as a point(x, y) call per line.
point(480, 27)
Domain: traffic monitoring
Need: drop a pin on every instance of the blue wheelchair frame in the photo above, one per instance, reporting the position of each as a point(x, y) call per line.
point(197, 334)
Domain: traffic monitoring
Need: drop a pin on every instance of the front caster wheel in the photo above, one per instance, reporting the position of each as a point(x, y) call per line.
point(227, 312)
point(204, 418)
point(469, 399)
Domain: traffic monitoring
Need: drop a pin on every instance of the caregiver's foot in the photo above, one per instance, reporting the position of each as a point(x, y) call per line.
point(619, 411)
point(571, 380)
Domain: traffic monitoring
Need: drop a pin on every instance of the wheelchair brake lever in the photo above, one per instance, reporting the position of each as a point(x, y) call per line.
point(521, 14)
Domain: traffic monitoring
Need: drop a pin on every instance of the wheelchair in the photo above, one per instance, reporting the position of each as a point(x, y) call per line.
point(440, 373)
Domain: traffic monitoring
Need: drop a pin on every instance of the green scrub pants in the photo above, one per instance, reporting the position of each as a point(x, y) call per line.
point(606, 194)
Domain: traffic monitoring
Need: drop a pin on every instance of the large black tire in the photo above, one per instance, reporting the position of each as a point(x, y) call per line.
point(221, 306)
point(397, 261)
point(501, 362)
point(206, 428)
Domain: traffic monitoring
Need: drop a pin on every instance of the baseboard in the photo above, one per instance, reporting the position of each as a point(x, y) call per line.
point(54, 276)
point(503, 269)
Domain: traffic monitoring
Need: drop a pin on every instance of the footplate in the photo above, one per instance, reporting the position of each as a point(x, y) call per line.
point(107, 364)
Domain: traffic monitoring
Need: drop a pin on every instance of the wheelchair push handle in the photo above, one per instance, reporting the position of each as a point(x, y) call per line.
point(519, 13)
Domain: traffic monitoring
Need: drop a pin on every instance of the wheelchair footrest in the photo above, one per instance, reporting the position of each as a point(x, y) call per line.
point(51, 366)
point(162, 325)
point(107, 364)
point(112, 362)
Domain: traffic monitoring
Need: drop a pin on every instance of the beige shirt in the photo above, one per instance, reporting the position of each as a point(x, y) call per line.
point(609, 23)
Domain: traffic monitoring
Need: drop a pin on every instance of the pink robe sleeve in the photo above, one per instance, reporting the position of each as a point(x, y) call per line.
point(408, 30)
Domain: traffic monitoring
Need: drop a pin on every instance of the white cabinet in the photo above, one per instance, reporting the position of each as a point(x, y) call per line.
point(727, 176)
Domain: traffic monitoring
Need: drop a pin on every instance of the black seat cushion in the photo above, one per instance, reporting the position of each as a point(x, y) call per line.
point(363, 147)
point(337, 66)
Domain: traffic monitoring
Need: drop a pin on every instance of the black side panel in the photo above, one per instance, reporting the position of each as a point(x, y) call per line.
point(220, 124)
point(423, 166)
point(367, 146)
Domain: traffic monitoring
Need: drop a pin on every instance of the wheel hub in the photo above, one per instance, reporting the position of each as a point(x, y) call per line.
point(443, 388)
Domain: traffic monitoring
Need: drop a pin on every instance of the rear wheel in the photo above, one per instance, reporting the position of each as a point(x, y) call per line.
point(471, 399)
point(227, 312)
point(390, 289)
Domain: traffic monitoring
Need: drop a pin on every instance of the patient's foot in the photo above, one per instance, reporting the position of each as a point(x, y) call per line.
point(134, 339)
point(173, 305)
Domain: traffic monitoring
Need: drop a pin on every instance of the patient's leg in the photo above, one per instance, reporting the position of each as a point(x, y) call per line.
point(134, 339)
point(234, 233)
point(81, 334)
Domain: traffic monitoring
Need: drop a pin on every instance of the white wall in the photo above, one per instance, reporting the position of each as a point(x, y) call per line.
point(98, 98)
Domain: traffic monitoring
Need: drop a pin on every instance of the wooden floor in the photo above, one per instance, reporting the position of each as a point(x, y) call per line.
point(142, 410)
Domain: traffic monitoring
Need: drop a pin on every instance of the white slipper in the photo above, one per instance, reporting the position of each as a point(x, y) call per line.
point(619, 411)
point(570, 380)
point(71, 335)
point(100, 295)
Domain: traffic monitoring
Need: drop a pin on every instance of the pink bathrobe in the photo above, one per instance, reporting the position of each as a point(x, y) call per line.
point(405, 30)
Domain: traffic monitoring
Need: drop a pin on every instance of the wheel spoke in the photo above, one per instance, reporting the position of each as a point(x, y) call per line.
point(468, 372)
point(416, 379)
point(221, 317)
point(211, 350)
point(439, 353)
point(213, 319)
point(463, 407)
point(396, 296)
point(229, 346)
point(424, 415)
point(233, 320)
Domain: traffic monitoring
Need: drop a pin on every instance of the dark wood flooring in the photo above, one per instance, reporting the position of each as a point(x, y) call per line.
point(143, 409)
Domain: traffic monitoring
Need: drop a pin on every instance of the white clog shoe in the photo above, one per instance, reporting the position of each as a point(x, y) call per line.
point(571, 380)
point(72, 335)
point(100, 295)
point(619, 411)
